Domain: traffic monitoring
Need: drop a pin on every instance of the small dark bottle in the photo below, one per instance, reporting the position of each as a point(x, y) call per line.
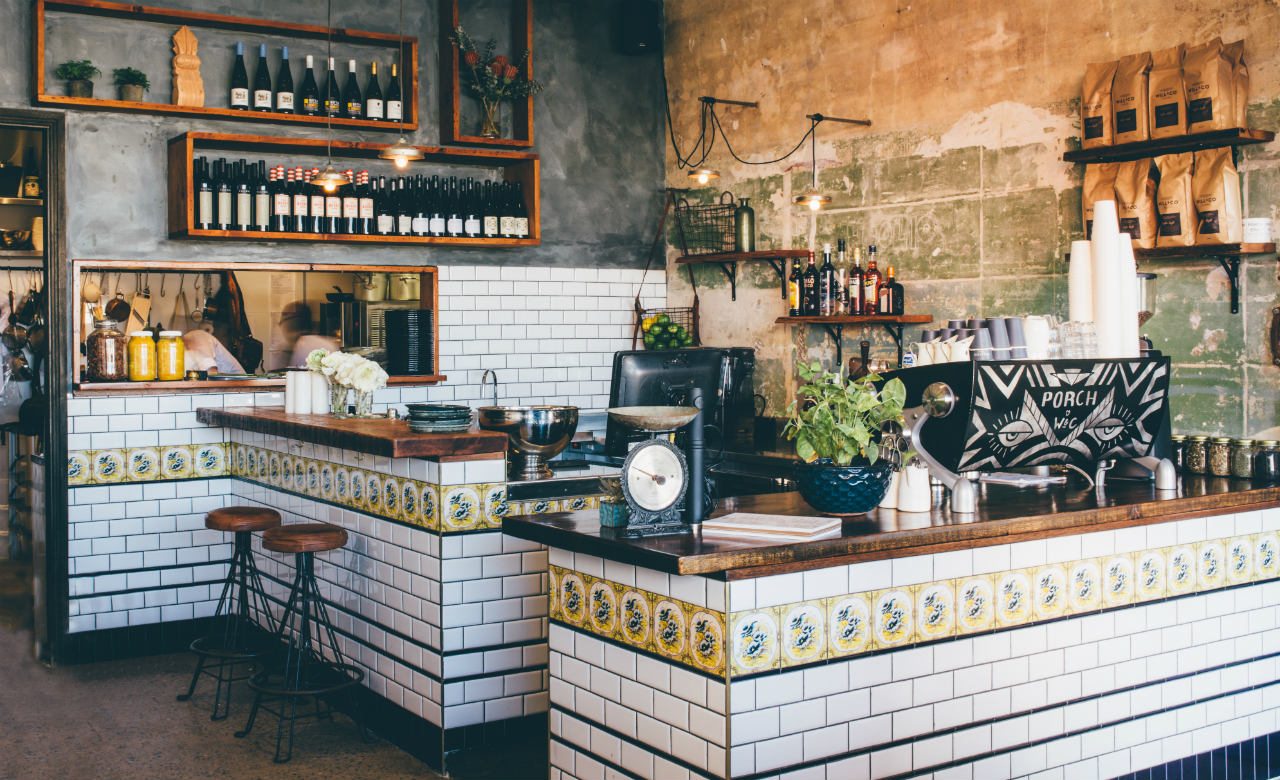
point(395, 102)
point(827, 284)
point(332, 95)
point(890, 295)
point(350, 205)
point(261, 198)
point(332, 212)
point(385, 207)
point(871, 284)
point(352, 102)
point(284, 84)
point(263, 98)
point(239, 81)
point(809, 289)
point(244, 197)
point(793, 290)
point(205, 213)
point(301, 201)
point(373, 104)
point(226, 199)
point(319, 202)
point(281, 201)
point(364, 194)
point(310, 93)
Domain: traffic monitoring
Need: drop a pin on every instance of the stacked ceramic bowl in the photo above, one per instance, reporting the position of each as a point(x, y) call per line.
point(439, 418)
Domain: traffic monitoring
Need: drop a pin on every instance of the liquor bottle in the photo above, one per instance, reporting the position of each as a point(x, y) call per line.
point(352, 103)
point(842, 279)
point(30, 175)
point(453, 225)
point(261, 198)
point(891, 295)
point(471, 224)
point(281, 200)
point(404, 217)
point(507, 217)
point(394, 105)
point(385, 224)
point(310, 93)
point(239, 81)
point(793, 290)
point(364, 222)
point(226, 202)
point(262, 96)
point(301, 202)
point(809, 289)
point(332, 95)
point(205, 214)
point(350, 204)
point(373, 103)
point(284, 84)
point(435, 206)
point(419, 197)
point(244, 197)
point(861, 366)
point(826, 284)
point(318, 201)
point(871, 284)
point(854, 290)
point(521, 214)
point(332, 213)
point(490, 212)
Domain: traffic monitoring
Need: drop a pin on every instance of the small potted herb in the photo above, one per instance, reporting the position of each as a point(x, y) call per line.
point(836, 426)
point(79, 76)
point(132, 83)
point(614, 512)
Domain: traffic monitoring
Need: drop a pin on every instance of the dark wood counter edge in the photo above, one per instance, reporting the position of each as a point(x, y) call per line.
point(781, 559)
point(390, 438)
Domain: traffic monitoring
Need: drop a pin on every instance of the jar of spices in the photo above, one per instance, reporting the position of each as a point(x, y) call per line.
point(1266, 461)
point(106, 353)
point(142, 356)
point(1198, 455)
point(1220, 456)
point(1178, 442)
point(1242, 458)
point(170, 356)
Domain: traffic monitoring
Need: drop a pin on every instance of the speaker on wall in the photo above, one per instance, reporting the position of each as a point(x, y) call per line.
point(638, 26)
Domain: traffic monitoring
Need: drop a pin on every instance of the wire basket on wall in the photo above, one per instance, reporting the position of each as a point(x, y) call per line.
point(706, 230)
point(685, 318)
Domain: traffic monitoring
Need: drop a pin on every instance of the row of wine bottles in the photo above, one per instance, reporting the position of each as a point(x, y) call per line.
point(839, 289)
point(252, 197)
point(348, 101)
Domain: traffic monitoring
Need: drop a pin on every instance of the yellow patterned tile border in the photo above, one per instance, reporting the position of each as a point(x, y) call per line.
point(146, 464)
point(683, 633)
point(842, 626)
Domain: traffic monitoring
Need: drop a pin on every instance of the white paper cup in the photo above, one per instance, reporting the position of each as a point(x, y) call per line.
point(1257, 230)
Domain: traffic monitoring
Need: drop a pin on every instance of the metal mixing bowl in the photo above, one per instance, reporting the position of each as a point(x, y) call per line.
point(535, 433)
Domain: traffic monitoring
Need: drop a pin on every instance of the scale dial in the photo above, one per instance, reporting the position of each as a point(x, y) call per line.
point(655, 477)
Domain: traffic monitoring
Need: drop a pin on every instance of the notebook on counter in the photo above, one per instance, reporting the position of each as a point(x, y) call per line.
point(771, 528)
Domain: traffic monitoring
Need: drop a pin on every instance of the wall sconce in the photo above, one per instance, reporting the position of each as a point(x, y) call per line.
point(814, 198)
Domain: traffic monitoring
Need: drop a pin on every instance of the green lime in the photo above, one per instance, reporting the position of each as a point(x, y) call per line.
point(662, 319)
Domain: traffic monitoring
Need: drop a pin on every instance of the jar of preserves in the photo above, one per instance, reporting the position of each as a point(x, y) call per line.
point(1220, 456)
point(106, 353)
point(1198, 455)
point(1242, 458)
point(142, 356)
point(170, 356)
point(1266, 461)
point(1178, 442)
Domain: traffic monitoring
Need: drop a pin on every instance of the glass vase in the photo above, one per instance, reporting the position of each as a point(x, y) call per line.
point(490, 118)
point(364, 404)
point(337, 399)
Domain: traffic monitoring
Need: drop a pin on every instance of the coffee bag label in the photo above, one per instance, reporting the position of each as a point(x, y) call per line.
point(1171, 224)
point(1200, 110)
point(1208, 222)
point(1126, 121)
point(1167, 115)
point(1093, 127)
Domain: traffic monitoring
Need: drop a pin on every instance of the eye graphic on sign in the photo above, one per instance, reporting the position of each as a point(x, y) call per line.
point(1107, 429)
point(1014, 432)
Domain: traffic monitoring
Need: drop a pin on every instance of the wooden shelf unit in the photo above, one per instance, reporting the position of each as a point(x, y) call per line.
point(406, 46)
point(1182, 143)
point(728, 264)
point(835, 325)
point(516, 166)
point(1227, 255)
point(451, 81)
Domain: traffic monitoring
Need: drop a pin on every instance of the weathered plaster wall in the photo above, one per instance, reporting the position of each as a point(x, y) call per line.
point(959, 181)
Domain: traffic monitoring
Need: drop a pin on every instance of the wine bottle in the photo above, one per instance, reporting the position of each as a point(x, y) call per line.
point(30, 174)
point(507, 218)
point(871, 284)
point(861, 366)
point(890, 295)
point(205, 214)
point(842, 280)
point(453, 225)
point(855, 283)
point(386, 220)
point(793, 290)
point(301, 202)
point(284, 84)
point(394, 106)
point(352, 103)
point(317, 203)
point(435, 208)
point(281, 200)
point(244, 197)
point(332, 95)
point(490, 211)
point(310, 93)
point(521, 214)
point(226, 203)
point(471, 225)
point(809, 289)
point(350, 204)
point(373, 104)
point(332, 213)
point(239, 81)
point(261, 198)
point(364, 225)
point(262, 96)
point(419, 196)
point(826, 284)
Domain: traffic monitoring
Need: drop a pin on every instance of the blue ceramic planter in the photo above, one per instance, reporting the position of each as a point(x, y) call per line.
point(614, 515)
point(843, 490)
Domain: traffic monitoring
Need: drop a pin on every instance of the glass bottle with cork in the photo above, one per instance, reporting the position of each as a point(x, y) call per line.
point(809, 289)
point(793, 290)
point(854, 293)
point(889, 295)
point(871, 284)
point(826, 284)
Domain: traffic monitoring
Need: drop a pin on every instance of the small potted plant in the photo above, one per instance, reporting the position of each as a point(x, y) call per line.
point(836, 425)
point(493, 78)
point(132, 83)
point(614, 512)
point(79, 76)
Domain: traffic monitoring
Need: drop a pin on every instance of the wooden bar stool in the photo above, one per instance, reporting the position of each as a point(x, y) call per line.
point(313, 665)
point(241, 640)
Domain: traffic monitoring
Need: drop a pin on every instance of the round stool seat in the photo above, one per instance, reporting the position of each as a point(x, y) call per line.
point(242, 518)
point(304, 537)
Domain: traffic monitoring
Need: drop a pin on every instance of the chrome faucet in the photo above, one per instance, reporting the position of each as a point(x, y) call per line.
point(489, 372)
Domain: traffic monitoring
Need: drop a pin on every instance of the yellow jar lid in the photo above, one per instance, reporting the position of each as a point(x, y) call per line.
point(1178, 437)
point(1244, 442)
point(1269, 443)
point(1199, 438)
point(1222, 440)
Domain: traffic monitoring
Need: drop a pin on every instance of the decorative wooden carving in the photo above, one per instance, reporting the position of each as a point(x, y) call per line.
point(188, 87)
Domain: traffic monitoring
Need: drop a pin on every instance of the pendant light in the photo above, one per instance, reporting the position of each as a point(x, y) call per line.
point(703, 175)
point(401, 152)
point(813, 197)
point(329, 179)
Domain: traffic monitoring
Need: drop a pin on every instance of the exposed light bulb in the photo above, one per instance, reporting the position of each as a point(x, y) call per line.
point(330, 186)
point(702, 178)
point(402, 162)
point(814, 204)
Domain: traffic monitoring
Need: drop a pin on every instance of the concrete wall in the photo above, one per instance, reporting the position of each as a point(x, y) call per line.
point(959, 181)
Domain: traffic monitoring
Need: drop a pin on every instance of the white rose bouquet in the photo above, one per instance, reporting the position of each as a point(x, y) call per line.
point(346, 370)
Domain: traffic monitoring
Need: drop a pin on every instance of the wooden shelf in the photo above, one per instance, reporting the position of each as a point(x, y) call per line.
point(22, 202)
point(835, 325)
point(516, 166)
point(1204, 250)
point(218, 385)
point(406, 47)
point(727, 262)
point(21, 254)
point(1182, 143)
point(451, 82)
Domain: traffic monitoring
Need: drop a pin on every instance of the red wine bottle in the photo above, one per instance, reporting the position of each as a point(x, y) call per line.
point(395, 104)
point(373, 104)
point(332, 96)
point(239, 81)
point(262, 95)
point(352, 103)
point(284, 84)
point(281, 201)
point(310, 94)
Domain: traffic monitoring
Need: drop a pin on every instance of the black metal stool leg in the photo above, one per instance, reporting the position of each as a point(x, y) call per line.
point(253, 715)
point(195, 677)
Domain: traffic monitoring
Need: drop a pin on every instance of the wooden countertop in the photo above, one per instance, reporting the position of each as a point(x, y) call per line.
point(1005, 514)
point(375, 436)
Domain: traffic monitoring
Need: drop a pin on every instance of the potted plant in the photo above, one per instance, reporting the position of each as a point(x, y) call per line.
point(836, 426)
point(132, 83)
point(79, 76)
point(493, 79)
point(614, 512)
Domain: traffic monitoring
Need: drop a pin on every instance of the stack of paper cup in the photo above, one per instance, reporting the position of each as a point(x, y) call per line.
point(1109, 291)
point(319, 387)
point(291, 392)
point(1080, 283)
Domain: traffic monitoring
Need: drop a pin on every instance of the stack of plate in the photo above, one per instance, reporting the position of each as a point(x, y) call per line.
point(409, 341)
point(439, 418)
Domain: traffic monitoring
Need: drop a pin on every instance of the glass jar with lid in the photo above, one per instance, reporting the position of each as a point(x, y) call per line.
point(1266, 461)
point(1178, 444)
point(1242, 458)
point(142, 356)
point(1219, 456)
point(1198, 455)
point(170, 356)
point(106, 353)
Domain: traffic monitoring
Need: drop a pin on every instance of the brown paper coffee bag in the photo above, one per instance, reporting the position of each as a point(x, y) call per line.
point(1175, 208)
point(1095, 105)
point(1136, 202)
point(1099, 184)
point(1215, 185)
point(1206, 75)
point(1166, 96)
point(1239, 81)
point(1129, 98)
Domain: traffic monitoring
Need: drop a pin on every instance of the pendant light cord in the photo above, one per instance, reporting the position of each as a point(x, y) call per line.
point(328, 118)
point(813, 133)
point(400, 57)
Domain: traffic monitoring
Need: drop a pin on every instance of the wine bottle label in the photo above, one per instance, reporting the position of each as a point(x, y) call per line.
point(240, 96)
point(366, 208)
point(491, 226)
point(332, 107)
point(354, 110)
point(282, 204)
point(386, 224)
point(244, 205)
point(262, 98)
point(224, 208)
point(455, 225)
point(404, 224)
point(507, 226)
point(262, 209)
point(333, 207)
point(300, 205)
point(437, 225)
point(206, 208)
point(317, 205)
point(373, 108)
point(522, 227)
point(350, 208)
point(472, 226)
point(395, 110)
point(284, 101)
point(311, 105)
point(420, 225)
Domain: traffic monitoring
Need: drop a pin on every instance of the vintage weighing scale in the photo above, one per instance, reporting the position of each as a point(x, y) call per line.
point(665, 489)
